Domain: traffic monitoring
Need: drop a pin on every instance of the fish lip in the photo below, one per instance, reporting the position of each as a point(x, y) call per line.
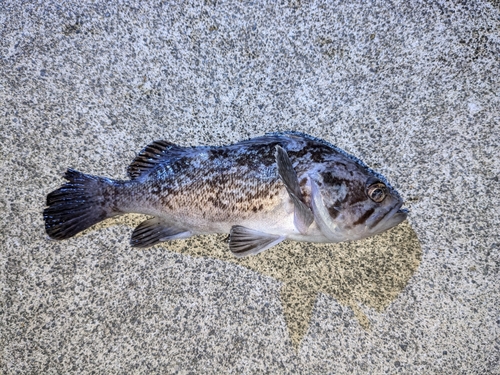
point(392, 218)
point(403, 211)
point(398, 214)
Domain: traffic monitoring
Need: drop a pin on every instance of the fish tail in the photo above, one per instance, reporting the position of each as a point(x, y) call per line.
point(77, 205)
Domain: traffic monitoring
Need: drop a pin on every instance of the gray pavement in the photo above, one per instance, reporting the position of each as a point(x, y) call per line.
point(411, 88)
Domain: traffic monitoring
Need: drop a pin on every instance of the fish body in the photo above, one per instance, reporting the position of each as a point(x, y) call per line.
point(259, 191)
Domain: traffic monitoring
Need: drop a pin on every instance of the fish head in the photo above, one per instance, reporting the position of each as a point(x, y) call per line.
point(354, 203)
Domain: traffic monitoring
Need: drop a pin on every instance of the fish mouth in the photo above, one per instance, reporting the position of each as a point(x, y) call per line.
point(400, 215)
point(392, 218)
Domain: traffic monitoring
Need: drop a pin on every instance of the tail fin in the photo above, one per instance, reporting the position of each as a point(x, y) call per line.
point(80, 203)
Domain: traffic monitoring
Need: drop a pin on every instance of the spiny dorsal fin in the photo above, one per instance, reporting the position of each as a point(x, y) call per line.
point(244, 241)
point(152, 155)
point(303, 216)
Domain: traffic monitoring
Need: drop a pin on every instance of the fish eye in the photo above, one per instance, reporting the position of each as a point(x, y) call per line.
point(377, 192)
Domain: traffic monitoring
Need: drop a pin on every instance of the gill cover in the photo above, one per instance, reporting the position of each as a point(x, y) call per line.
point(321, 215)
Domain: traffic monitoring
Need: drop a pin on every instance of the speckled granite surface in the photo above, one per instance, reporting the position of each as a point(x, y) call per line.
point(412, 88)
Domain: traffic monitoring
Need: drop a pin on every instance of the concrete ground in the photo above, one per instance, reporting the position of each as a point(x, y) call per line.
point(410, 87)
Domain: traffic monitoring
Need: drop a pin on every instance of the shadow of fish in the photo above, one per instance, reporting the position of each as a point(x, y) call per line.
point(370, 273)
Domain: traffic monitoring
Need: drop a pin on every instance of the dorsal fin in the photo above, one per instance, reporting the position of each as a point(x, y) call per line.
point(152, 155)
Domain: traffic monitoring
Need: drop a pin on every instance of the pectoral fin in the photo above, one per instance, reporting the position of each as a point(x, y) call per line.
point(244, 241)
point(155, 230)
point(321, 214)
point(303, 216)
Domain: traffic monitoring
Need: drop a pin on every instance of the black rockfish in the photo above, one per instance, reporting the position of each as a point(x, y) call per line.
point(260, 191)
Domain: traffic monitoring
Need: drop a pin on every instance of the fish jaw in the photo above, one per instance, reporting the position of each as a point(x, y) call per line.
point(394, 217)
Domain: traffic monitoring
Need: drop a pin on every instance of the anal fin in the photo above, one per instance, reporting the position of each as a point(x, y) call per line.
point(244, 241)
point(155, 230)
point(303, 216)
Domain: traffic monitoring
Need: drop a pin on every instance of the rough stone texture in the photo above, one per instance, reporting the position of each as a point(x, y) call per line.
point(410, 87)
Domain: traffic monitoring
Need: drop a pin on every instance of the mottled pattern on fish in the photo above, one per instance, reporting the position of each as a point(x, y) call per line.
point(261, 191)
point(217, 183)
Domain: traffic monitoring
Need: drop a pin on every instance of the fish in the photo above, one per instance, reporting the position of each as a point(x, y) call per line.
point(260, 191)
